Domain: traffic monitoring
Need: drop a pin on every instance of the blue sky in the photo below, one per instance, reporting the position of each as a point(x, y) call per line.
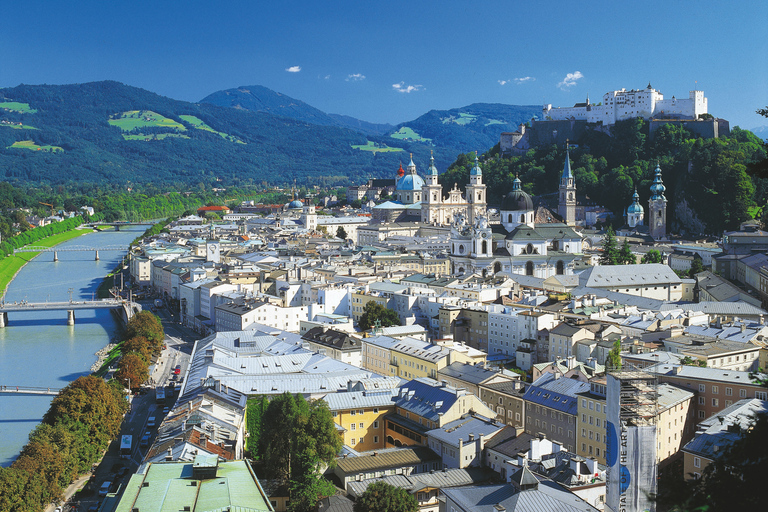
point(393, 61)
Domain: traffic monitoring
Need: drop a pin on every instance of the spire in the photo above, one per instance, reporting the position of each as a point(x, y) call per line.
point(567, 174)
point(658, 188)
point(411, 166)
point(476, 171)
point(432, 168)
point(516, 183)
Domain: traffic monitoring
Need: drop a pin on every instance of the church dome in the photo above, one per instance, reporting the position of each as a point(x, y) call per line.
point(410, 182)
point(295, 204)
point(635, 206)
point(476, 171)
point(517, 199)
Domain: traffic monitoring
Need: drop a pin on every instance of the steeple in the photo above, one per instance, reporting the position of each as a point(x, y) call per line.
point(567, 201)
point(432, 169)
point(658, 188)
point(411, 166)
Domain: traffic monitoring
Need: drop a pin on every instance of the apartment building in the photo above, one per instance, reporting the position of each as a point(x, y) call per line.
point(359, 416)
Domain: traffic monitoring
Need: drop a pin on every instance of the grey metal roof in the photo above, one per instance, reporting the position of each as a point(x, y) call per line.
point(618, 276)
point(385, 459)
point(469, 372)
point(706, 373)
point(718, 308)
point(556, 392)
point(435, 479)
point(427, 398)
point(358, 399)
point(547, 496)
point(718, 432)
point(461, 429)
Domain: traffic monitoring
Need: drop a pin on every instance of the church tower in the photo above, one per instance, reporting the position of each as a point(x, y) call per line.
point(635, 212)
point(657, 208)
point(431, 197)
point(309, 216)
point(475, 194)
point(567, 202)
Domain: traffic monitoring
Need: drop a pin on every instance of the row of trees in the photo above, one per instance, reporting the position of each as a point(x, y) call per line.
point(144, 337)
point(81, 422)
point(33, 235)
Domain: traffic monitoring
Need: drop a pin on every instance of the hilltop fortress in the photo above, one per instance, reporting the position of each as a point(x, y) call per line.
point(562, 123)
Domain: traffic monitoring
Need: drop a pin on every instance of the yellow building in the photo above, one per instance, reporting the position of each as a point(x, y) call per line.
point(360, 299)
point(359, 415)
point(590, 421)
point(412, 358)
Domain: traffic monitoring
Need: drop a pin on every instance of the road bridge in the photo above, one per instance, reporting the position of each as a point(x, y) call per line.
point(117, 225)
point(71, 248)
point(69, 307)
point(27, 390)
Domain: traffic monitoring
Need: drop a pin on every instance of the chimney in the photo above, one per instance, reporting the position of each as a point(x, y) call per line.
point(575, 465)
point(591, 362)
point(471, 437)
point(169, 455)
point(592, 465)
point(571, 362)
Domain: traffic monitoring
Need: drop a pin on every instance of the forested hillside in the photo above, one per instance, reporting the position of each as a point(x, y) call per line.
point(708, 186)
point(109, 133)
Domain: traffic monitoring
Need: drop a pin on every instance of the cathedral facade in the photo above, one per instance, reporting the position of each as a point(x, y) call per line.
point(438, 209)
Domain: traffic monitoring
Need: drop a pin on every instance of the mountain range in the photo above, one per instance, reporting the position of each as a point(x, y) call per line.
point(108, 132)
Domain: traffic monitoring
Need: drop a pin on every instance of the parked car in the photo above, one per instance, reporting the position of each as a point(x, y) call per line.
point(105, 487)
point(177, 369)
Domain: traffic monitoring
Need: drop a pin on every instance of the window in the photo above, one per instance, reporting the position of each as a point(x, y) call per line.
point(361, 440)
point(696, 462)
point(376, 424)
point(361, 425)
point(353, 440)
point(702, 388)
point(715, 402)
point(701, 401)
point(742, 393)
point(761, 395)
point(334, 413)
point(728, 391)
point(352, 427)
point(375, 439)
point(352, 412)
point(715, 390)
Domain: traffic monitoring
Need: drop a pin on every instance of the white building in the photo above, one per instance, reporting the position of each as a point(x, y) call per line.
point(620, 105)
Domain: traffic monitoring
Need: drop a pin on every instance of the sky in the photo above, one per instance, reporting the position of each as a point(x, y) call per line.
point(390, 62)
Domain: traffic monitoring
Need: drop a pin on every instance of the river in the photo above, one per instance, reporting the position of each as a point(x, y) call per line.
point(39, 348)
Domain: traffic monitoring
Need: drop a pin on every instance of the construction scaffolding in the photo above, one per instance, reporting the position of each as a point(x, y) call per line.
point(631, 414)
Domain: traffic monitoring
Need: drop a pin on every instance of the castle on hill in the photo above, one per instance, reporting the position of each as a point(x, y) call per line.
point(559, 124)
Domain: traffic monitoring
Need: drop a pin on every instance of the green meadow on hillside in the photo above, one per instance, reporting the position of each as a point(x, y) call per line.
point(376, 148)
point(405, 133)
point(15, 106)
point(200, 125)
point(29, 144)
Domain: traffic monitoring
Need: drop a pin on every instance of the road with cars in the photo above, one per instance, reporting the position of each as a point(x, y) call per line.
point(169, 369)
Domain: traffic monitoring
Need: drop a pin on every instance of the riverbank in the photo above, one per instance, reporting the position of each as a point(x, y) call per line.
point(10, 266)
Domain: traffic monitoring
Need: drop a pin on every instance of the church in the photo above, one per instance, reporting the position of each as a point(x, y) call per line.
point(518, 245)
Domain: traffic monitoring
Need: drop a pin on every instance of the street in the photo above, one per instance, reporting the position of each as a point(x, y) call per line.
point(82, 496)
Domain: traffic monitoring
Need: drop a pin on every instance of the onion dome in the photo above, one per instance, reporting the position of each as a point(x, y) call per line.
point(517, 199)
point(658, 188)
point(401, 171)
point(432, 171)
point(295, 204)
point(476, 171)
point(635, 206)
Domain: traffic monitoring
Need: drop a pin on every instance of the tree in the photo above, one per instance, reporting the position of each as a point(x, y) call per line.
point(625, 254)
point(613, 361)
point(132, 370)
point(696, 267)
point(652, 256)
point(382, 497)
point(297, 438)
point(139, 345)
point(146, 325)
point(374, 311)
point(341, 233)
point(610, 254)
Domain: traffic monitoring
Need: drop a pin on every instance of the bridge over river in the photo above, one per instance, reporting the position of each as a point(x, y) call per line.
point(71, 248)
point(26, 390)
point(69, 307)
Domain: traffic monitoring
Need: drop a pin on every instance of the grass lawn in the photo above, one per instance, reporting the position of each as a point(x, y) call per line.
point(200, 125)
point(132, 119)
point(494, 121)
point(29, 144)
point(461, 120)
point(17, 126)
point(10, 265)
point(407, 133)
point(373, 147)
point(154, 136)
point(15, 106)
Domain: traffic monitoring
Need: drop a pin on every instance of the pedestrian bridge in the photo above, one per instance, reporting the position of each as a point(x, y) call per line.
point(70, 307)
point(26, 390)
point(71, 248)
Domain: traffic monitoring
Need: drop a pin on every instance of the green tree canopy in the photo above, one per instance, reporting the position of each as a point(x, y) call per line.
point(610, 255)
point(696, 267)
point(382, 497)
point(625, 254)
point(341, 233)
point(614, 356)
point(374, 311)
point(132, 370)
point(652, 256)
point(147, 325)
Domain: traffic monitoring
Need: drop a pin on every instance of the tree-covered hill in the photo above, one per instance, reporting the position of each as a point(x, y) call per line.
point(154, 139)
point(707, 184)
point(475, 127)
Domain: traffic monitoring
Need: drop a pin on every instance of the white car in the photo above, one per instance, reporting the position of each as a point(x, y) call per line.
point(104, 489)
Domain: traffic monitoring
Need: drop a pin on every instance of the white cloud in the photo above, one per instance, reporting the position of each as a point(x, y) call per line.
point(293, 69)
point(327, 77)
point(503, 82)
point(356, 77)
point(570, 80)
point(524, 79)
point(401, 87)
